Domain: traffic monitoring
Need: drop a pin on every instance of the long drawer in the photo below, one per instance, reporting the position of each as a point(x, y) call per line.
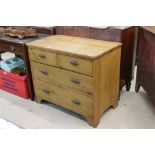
point(62, 77)
point(66, 98)
point(43, 56)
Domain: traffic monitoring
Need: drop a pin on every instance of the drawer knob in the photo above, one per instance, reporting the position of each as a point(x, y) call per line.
point(12, 48)
point(42, 56)
point(74, 62)
point(76, 81)
point(46, 91)
point(45, 72)
point(75, 101)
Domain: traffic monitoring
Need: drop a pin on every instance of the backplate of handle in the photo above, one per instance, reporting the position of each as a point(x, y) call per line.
point(41, 55)
point(76, 81)
point(45, 72)
point(74, 62)
point(46, 91)
point(76, 101)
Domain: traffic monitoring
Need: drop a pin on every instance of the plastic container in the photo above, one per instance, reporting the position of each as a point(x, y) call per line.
point(14, 84)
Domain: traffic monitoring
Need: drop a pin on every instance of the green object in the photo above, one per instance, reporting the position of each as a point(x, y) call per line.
point(12, 63)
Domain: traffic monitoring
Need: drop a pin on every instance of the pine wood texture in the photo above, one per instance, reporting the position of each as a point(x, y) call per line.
point(86, 48)
point(71, 80)
point(81, 65)
point(64, 97)
point(87, 86)
point(106, 83)
point(123, 34)
point(43, 56)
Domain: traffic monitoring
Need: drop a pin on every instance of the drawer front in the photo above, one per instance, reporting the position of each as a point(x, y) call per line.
point(66, 98)
point(75, 64)
point(62, 77)
point(42, 56)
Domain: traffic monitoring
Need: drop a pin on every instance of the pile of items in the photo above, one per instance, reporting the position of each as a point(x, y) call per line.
point(13, 76)
point(17, 31)
point(13, 65)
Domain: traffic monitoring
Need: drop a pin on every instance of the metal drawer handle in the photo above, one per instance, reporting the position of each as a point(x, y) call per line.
point(75, 101)
point(74, 62)
point(45, 72)
point(12, 48)
point(76, 81)
point(46, 91)
point(41, 55)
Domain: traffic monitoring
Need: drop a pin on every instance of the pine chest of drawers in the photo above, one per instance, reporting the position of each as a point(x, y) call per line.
point(81, 75)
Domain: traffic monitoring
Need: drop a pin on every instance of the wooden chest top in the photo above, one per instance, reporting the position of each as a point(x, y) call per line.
point(88, 48)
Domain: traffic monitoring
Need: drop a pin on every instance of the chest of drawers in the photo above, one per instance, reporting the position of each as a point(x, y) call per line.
point(81, 75)
point(122, 34)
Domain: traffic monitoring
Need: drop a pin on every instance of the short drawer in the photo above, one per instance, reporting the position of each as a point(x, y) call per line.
point(62, 77)
point(66, 98)
point(42, 56)
point(75, 64)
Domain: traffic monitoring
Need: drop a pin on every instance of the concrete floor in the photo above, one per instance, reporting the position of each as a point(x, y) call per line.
point(4, 124)
point(134, 111)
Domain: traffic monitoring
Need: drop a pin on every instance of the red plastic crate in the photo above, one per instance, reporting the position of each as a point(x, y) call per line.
point(14, 84)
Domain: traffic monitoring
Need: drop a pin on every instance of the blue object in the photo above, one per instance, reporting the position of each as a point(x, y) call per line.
point(9, 64)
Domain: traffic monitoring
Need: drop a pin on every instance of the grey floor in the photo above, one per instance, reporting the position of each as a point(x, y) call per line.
point(134, 111)
point(4, 124)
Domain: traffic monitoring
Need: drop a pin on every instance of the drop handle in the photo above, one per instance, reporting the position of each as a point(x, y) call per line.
point(76, 81)
point(45, 72)
point(74, 62)
point(75, 101)
point(46, 91)
point(41, 55)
